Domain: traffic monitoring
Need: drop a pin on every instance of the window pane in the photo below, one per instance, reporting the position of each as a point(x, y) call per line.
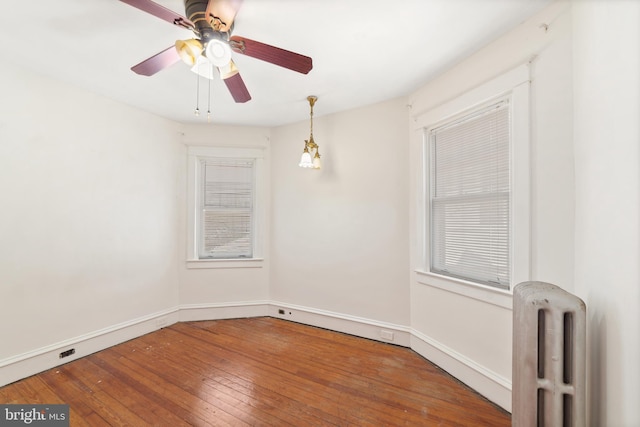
point(470, 197)
point(226, 220)
point(471, 238)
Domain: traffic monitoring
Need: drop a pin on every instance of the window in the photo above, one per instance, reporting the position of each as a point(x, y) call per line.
point(475, 205)
point(225, 211)
point(225, 206)
point(470, 196)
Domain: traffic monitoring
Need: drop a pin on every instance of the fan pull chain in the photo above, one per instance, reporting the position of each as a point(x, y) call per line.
point(209, 99)
point(197, 112)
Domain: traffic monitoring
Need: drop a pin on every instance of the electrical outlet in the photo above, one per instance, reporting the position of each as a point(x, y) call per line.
point(67, 353)
point(386, 335)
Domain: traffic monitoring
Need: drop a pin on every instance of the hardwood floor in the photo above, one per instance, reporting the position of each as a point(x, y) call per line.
point(257, 371)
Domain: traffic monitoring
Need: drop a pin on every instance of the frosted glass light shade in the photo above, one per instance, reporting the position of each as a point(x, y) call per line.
point(305, 160)
point(218, 52)
point(189, 50)
point(203, 67)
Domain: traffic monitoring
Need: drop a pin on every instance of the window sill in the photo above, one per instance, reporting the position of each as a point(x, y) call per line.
point(499, 297)
point(225, 263)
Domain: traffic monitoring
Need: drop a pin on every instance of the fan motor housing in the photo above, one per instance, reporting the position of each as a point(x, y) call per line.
point(196, 11)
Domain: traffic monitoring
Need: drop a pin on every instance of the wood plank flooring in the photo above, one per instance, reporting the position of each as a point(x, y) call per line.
point(256, 372)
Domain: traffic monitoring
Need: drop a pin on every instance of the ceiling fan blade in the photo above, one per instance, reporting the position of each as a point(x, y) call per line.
point(157, 62)
point(161, 12)
point(237, 88)
point(275, 55)
point(225, 11)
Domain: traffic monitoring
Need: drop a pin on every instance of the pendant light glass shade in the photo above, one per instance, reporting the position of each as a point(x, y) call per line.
point(316, 161)
point(305, 160)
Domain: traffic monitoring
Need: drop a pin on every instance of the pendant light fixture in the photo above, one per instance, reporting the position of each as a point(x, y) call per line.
point(306, 161)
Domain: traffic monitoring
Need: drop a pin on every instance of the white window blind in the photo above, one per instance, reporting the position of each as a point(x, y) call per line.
point(470, 197)
point(227, 208)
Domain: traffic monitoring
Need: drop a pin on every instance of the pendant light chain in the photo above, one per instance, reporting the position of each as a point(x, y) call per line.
point(311, 102)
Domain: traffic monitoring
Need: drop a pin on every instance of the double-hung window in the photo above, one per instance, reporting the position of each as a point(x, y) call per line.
point(476, 190)
point(225, 212)
point(226, 209)
point(470, 196)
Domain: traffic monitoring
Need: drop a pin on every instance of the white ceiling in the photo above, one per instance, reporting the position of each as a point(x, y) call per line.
point(363, 51)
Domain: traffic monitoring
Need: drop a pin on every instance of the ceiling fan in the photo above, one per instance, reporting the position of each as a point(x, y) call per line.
point(212, 23)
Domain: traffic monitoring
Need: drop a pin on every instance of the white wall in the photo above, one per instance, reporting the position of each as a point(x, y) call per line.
point(607, 257)
point(470, 335)
point(213, 287)
point(339, 234)
point(93, 219)
point(88, 225)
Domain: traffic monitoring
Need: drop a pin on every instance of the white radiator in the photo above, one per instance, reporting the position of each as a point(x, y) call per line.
point(549, 338)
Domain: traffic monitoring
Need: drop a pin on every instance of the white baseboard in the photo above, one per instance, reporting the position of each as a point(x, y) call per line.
point(24, 365)
point(486, 382)
point(217, 311)
point(359, 326)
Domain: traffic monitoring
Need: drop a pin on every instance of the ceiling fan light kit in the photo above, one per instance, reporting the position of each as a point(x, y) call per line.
point(212, 23)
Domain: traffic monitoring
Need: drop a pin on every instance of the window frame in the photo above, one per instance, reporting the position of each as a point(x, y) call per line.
point(194, 192)
point(514, 85)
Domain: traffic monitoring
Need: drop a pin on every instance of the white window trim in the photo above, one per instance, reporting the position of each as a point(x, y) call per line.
point(515, 85)
point(193, 171)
